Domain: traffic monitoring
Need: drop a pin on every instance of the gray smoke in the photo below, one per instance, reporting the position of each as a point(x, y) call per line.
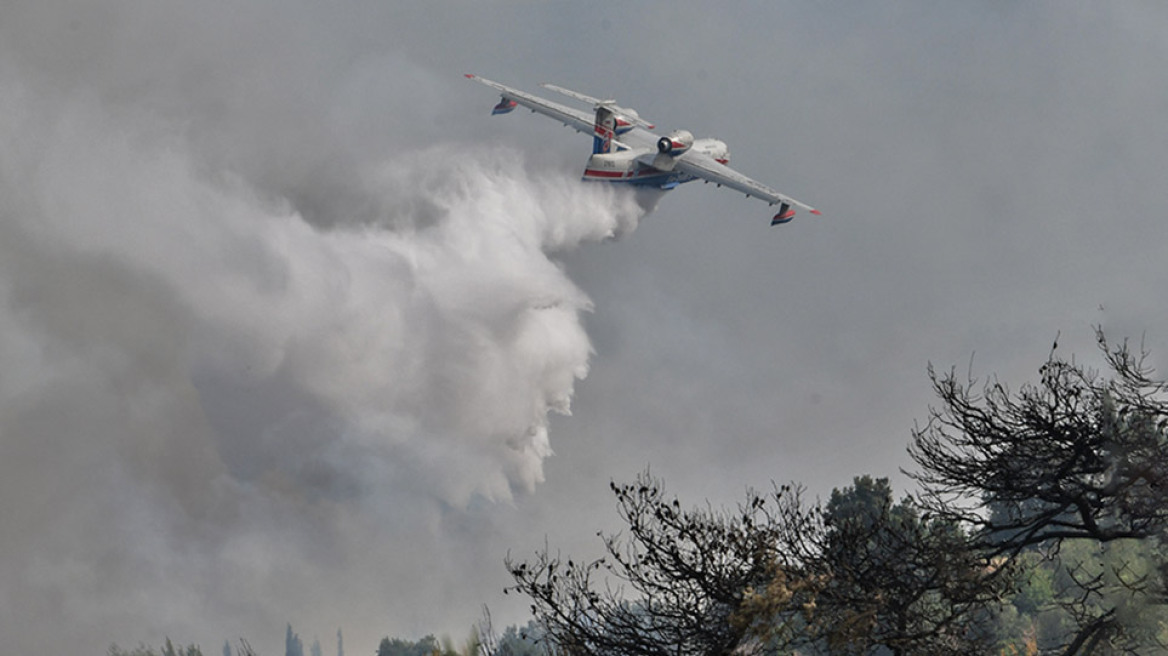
point(256, 369)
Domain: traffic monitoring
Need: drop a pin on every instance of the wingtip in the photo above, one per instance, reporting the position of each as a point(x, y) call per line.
point(469, 76)
point(817, 212)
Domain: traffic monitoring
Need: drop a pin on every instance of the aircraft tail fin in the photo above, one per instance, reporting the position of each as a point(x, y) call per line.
point(604, 130)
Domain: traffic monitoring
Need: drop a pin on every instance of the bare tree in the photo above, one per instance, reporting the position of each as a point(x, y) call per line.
point(861, 576)
point(1075, 457)
point(672, 586)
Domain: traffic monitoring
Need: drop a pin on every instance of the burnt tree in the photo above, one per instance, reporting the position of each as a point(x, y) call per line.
point(1076, 457)
point(675, 583)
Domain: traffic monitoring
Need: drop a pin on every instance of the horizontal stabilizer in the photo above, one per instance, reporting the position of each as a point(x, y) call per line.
point(630, 116)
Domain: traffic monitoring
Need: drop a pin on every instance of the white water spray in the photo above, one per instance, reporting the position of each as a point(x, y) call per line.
point(210, 398)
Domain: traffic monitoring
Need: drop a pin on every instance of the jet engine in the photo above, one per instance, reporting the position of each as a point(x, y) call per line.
point(676, 143)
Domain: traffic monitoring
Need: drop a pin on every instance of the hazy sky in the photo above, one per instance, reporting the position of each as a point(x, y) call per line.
point(289, 323)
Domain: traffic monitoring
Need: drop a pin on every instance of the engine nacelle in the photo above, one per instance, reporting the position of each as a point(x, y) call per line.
point(676, 143)
point(626, 120)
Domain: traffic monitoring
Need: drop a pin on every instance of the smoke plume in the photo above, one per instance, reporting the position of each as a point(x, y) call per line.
point(248, 380)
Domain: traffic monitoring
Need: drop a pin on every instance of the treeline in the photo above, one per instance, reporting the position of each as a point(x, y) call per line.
point(1039, 527)
point(170, 649)
point(293, 646)
point(482, 641)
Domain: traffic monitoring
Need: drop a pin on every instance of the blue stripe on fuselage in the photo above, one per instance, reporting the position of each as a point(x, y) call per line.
point(660, 179)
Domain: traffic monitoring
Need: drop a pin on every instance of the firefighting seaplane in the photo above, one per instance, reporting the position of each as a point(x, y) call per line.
point(625, 149)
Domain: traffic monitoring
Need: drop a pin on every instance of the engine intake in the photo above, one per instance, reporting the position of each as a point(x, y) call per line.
point(676, 143)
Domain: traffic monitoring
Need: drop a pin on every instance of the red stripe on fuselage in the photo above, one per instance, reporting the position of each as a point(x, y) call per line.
point(592, 173)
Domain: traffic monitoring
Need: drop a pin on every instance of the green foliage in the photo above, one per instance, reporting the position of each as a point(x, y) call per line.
point(1096, 582)
point(1065, 481)
point(866, 504)
point(1035, 592)
point(427, 646)
point(895, 581)
point(526, 641)
point(1111, 586)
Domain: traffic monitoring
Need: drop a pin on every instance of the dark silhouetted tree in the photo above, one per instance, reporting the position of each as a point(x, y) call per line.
point(675, 582)
point(877, 578)
point(292, 644)
point(427, 646)
point(895, 582)
point(1076, 458)
point(168, 649)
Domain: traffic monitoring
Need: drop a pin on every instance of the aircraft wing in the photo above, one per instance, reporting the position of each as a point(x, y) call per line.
point(709, 169)
point(629, 115)
point(583, 121)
